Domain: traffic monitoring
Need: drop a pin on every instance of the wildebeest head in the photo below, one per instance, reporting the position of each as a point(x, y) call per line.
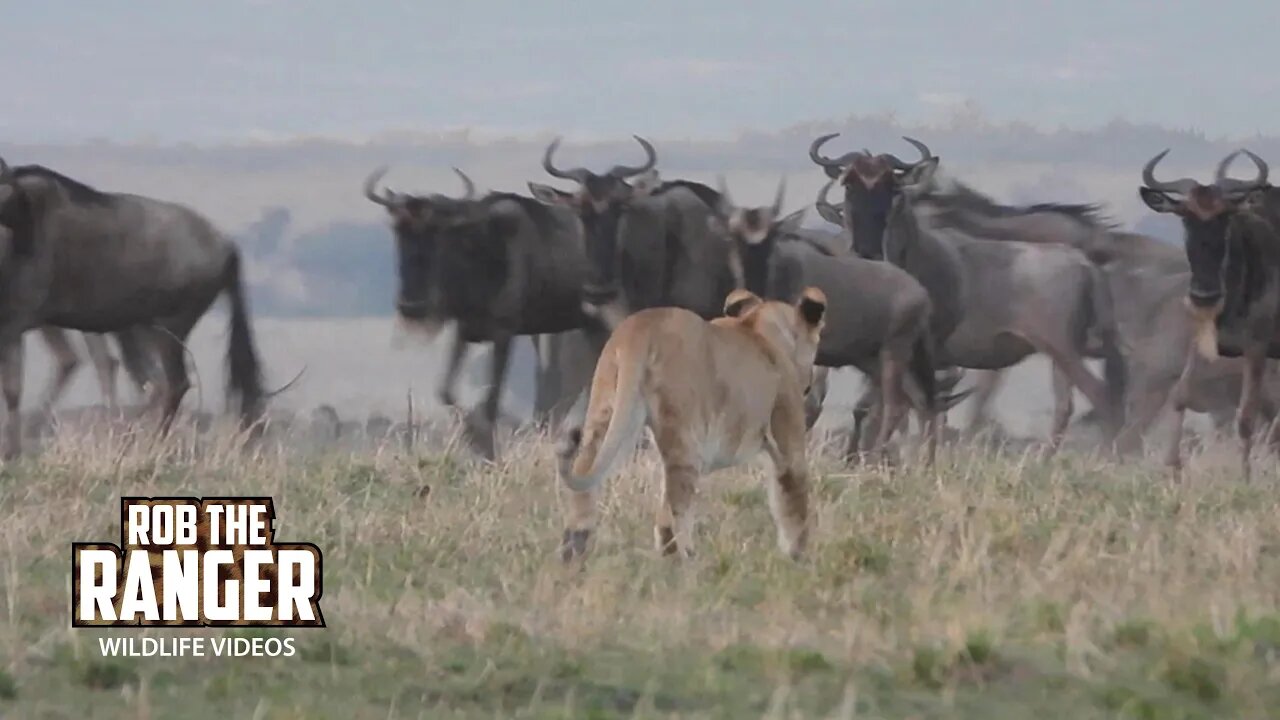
point(753, 234)
point(873, 186)
point(422, 223)
point(17, 218)
point(600, 202)
point(1207, 213)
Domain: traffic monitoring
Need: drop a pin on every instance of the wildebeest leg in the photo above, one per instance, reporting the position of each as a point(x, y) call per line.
point(1178, 400)
point(173, 361)
point(816, 396)
point(1071, 364)
point(865, 414)
point(457, 351)
point(1143, 412)
point(893, 403)
point(66, 360)
point(483, 436)
point(1063, 407)
point(986, 386)
point(1267, 407)
point(548, 349)
point(11, 381)
point(105, 365)
point(1254, 363)
point(136, 345)
point(171, 337)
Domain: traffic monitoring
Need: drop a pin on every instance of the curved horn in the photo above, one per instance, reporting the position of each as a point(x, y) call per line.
point(470, 191)
point(776, 211)
point(576, 174)
point(822, 194)
point(1233, 185)
point(1181, 186)
point(626, 171)
point(1221, 173)
point(925, 154)
point(827, 162)
point(896, 162)
point(387, 199)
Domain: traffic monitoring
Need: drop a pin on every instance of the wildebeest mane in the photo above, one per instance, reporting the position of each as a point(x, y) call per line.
point(537, 211)
point(19, 216)
point(1246, 273)
point(76, 190)
point(959, 197)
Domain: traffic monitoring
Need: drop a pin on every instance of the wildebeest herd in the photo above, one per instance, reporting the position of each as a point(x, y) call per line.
point(929, 282)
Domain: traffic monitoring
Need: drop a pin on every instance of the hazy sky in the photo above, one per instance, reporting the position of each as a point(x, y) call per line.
point(165, 70)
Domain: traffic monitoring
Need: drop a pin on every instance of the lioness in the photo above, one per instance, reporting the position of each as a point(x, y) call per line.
point(714, 394)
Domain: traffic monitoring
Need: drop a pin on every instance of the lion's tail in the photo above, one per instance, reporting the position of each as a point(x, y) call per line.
point(621, 424)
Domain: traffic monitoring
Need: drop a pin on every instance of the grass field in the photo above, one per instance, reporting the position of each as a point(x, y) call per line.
point(999, 586)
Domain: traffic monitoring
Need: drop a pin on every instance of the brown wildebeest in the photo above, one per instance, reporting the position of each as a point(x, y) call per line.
point(997, 302)
point(1233, 247)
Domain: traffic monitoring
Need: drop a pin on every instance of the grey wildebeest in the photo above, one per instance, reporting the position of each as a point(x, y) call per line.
point(1146, 279)
point(499, 266)
point(649, 242)
point(78, 258)
point(995, 302)
point(878, 319)
point(1233, 247)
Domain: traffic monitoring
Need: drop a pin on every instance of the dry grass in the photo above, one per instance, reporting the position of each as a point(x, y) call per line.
point(995, 587)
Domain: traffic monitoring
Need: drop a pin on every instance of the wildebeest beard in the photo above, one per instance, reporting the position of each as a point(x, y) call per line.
point(601, 230)
point(870, 190)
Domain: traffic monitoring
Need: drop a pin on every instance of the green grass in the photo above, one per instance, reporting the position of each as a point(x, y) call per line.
point(995, 587)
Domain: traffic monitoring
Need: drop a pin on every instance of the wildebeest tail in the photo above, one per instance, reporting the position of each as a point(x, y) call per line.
point(618, 415)
point(1102, 321)
point(244, 382)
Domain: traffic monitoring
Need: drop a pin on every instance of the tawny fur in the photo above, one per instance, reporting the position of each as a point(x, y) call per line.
point(714, 394)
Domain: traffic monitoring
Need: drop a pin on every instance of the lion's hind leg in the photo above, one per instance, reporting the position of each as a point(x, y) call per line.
point(673, 529)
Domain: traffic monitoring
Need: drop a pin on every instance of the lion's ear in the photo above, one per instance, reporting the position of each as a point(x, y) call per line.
point(812, 305)
point(739, 301)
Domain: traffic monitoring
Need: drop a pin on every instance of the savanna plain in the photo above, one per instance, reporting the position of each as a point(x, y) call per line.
point(996, 585)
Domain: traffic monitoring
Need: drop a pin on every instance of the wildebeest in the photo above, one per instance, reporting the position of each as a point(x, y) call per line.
point(995, 302)
point(1146, 278)
point(83, 259)
point(1233, 247)
point(499, 266)
point(878, 315)
point(650, 242)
